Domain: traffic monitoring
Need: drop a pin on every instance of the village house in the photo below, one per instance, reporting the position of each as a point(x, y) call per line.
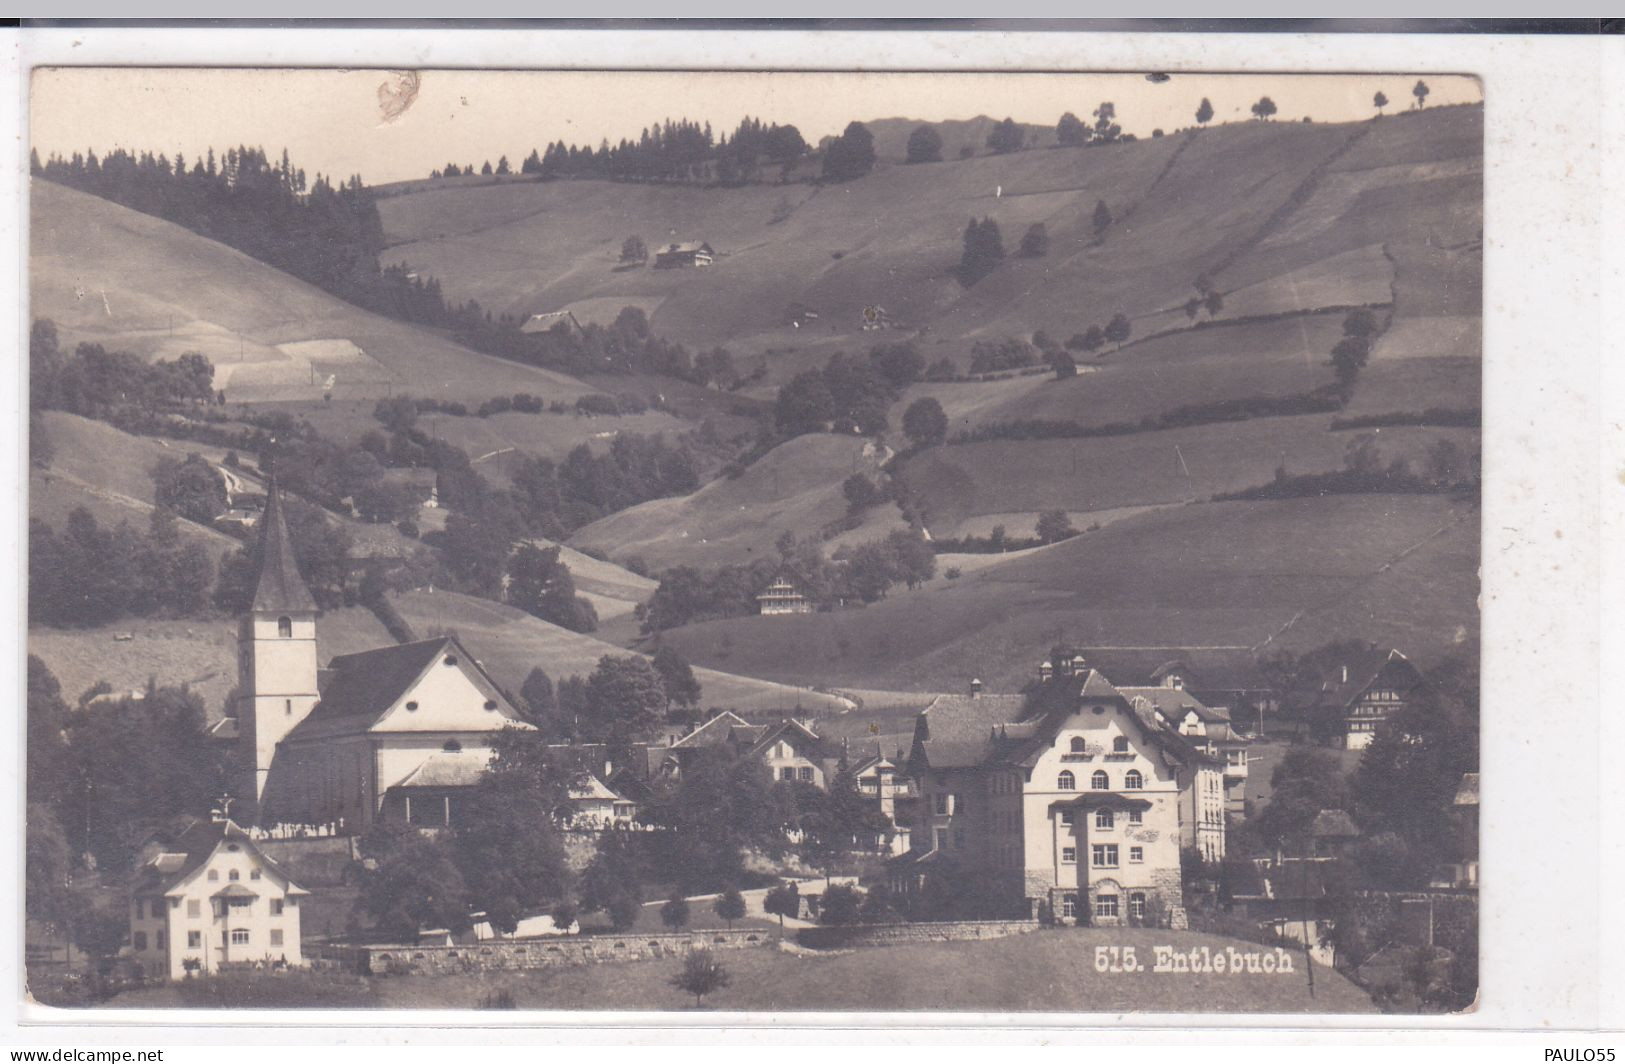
point(210, 899)
point(781, 597)
point(691, 253)
point(1207, 728)
point(1074, 802)
point(1356, 694)
point(397, 731)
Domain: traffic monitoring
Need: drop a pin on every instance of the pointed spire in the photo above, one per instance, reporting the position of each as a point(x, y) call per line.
point(280, 589)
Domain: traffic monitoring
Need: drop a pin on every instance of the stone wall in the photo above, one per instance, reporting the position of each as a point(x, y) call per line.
point(831, 937)
point(550, 952)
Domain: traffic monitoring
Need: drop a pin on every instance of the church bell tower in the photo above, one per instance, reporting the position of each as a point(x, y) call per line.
point(276, 655)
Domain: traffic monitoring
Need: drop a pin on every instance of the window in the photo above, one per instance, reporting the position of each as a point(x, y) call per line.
point(234, 875)
point(140, 940)
point(1103, 855)
point(942, 805)
point(194, 940)
point(276, 936)
point(1136, 816)
point(239, 936)
point(1099, 782)
point(1078, 745)
point(1104, 820)
point(1136, 854)
point(254, 873)
point(1136, 905)
point(1106, 906)
point(284, 627)
point(276, 906)
point(1066, 782)
point(452, 746)
point(1069, 905)
point(1133, 781)
point(1069, 855)
point(1120, 745)
point(787, 773)
point(1066, 816)
point(805, 774)
point(194, 908)
point(214, 875)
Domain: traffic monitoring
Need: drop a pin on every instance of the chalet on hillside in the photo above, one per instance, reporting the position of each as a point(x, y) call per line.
point(692, 253)
point(781, 597)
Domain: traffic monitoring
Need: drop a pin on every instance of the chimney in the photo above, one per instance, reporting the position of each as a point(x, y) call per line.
point(976, 688)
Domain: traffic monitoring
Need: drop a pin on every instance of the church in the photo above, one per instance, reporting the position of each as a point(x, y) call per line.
point(400, 731)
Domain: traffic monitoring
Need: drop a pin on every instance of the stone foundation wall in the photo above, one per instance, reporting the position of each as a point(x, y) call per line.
point(534, 953)
point(905, 934)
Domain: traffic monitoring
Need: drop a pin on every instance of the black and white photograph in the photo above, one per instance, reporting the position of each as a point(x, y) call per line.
point(754, 540)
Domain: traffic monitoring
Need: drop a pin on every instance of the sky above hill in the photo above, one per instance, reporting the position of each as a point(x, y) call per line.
point(397, 125)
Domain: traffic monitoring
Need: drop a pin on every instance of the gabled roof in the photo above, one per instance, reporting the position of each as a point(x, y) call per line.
point(280, 588)
point(361, 688)
point(797, 734)
point(445, 769)
point(1364, 669)
point(190, 850)
point(713, 732)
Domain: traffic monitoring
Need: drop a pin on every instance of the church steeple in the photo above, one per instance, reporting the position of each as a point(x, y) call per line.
point(280, 589)
point(277, 661)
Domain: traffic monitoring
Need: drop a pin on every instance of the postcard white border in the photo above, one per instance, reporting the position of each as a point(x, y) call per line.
point(1554, 460)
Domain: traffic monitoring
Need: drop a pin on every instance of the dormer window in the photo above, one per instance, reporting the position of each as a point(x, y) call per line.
point(284, 627)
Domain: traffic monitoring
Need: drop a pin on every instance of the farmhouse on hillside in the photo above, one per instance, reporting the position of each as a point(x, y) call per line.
point(781, 597)
point(693, 253)
point(209, 899)
point(1074, 802)
point(399, 731)
point(1358, 693)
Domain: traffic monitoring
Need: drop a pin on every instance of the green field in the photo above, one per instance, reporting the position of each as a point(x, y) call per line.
point(796, 487)
point(1017, 479)
point(1311, 231)
point(509, 643)
point(1400, 569)
point(126, 280)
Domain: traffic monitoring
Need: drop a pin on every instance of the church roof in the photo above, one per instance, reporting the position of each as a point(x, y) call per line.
point(280, 589)
point(361, 688)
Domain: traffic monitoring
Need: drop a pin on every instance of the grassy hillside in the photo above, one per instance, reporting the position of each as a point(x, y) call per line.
point(109, 473)
point(509, 643)
point(110, 275)
point(1261, 207)
point(796, 487)
point(1013, 480)
point(1401, 569)
point(199, 652)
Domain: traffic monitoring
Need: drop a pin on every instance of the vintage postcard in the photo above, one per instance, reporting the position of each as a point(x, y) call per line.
point(754, 541)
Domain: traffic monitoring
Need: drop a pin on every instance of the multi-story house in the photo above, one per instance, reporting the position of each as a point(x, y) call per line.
point(1207, 728)
point(1070, 801)
point(1357, 693)
point(209, 899)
